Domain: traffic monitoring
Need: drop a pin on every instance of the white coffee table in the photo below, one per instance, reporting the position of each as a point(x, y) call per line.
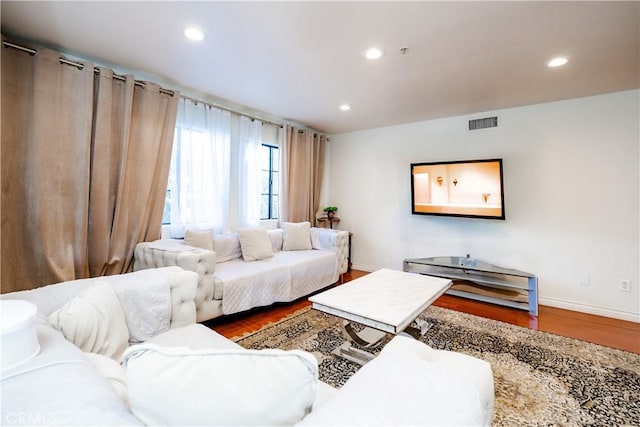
point(385, 301)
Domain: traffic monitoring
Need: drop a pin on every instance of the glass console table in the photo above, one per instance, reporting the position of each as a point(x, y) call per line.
point(482, 281)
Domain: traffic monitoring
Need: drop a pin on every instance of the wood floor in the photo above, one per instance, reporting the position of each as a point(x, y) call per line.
point(596, 329)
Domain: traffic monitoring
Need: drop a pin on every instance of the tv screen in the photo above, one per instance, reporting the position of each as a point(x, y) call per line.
point(465, 188)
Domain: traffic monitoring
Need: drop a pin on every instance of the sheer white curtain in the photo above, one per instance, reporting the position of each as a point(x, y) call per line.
point(199, 181)
point(249, 172)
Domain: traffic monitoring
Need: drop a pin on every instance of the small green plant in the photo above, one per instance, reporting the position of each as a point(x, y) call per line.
point(330, 209)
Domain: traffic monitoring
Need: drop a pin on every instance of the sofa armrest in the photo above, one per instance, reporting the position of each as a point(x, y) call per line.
point(332, 240)
point(183, 285)
point(167, 253)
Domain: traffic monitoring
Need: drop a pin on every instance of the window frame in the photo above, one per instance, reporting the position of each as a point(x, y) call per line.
point(270, 194)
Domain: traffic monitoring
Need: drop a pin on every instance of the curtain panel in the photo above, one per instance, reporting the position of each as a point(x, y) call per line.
point(249, 172)
point(84, 162)
point(200, 168)
point(302, 159)
point(131, 154)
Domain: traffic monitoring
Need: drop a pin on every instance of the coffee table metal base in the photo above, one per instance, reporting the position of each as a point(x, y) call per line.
point(369, 338)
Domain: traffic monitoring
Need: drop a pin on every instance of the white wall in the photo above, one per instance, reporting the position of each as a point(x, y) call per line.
point(572, 189)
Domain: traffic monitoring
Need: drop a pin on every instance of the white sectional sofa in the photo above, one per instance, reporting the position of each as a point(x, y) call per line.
point(186, 374)
point(230, 283)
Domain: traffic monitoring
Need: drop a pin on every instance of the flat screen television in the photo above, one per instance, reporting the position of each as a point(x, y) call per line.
point(463, 188)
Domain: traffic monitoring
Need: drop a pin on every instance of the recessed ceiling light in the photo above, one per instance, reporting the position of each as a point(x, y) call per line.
point(373, 53)
point(194, 33)
point(345, 107)
point(557, 62)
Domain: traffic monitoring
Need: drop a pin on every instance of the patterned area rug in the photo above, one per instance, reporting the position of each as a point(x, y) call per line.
point(541, 379)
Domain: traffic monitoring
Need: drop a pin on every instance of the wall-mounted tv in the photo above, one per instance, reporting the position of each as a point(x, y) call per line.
point(464, 188)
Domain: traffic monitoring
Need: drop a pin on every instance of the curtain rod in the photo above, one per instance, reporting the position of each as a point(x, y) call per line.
point(96, 70)
point(280, 125)
point(80, 66)
point(198, 101)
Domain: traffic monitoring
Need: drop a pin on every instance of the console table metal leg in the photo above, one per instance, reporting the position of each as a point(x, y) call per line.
point(533, 295)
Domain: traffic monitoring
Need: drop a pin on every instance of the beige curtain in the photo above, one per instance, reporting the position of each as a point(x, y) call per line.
point(131, 155)
point(46, 134)
point(303, 165)
point(84, 168)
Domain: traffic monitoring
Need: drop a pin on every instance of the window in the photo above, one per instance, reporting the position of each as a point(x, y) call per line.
point(166, 215)
point(269, 161)
point(224, 171)
point(192, 185)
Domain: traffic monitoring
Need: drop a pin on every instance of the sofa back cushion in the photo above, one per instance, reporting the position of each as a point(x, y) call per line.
point(199, 239)
point(276, 239)
point(153, 300)
point(167, 385)
point(227, 247)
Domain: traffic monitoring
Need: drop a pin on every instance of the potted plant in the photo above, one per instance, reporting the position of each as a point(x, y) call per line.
point(330, 211)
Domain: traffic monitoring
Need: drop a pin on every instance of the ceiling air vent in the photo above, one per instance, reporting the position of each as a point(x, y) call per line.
point(488, 122)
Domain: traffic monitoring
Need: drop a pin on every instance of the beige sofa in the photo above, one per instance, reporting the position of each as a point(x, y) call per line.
point(228, 284)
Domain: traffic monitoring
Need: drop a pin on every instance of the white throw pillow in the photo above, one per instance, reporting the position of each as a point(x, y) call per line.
point(297, 236)
point(255, 244)
point(178, 386)
point(113, 372)
point(94, 321)
point(227, 247)
point(199, 239)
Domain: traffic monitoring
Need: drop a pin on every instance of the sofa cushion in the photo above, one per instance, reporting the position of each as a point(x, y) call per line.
point(255, 244)
point(310, 271)
point(199, 239)
point(321, 238)
point(297, 236)
point(113, 372)
point(429, 394)
point(276, 239)
point(477, 371)
point(94, 321)
point(227, 247)
point(239, 387)
point(253, 284)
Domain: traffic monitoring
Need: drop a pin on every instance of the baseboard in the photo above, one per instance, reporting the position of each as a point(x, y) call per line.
point(552, 302)
point(590, 309)
point(364, 267)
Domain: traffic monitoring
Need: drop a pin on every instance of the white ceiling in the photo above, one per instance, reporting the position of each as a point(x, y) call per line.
point(300, 60)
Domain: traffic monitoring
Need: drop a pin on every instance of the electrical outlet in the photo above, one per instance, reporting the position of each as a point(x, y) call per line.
point(625, 285)
point(584, 279)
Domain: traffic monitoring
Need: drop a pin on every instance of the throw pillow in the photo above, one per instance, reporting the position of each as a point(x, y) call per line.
point(297, 236)
point(199, 239)
point(166, 385)
point(94, 321)
point(255, 244)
